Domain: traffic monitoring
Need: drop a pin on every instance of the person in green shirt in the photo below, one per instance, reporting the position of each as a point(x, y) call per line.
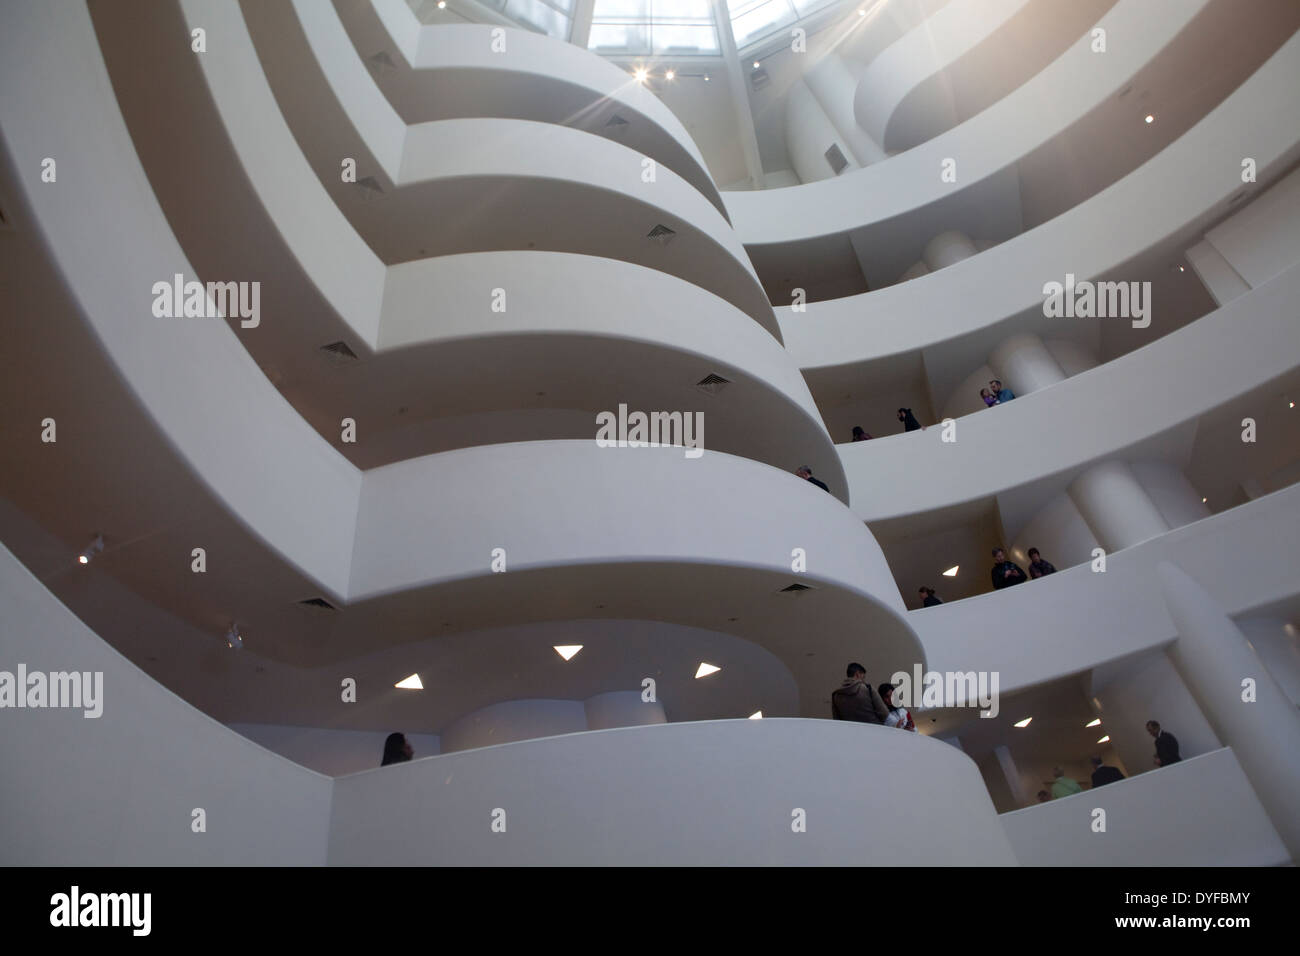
point(1063, 786)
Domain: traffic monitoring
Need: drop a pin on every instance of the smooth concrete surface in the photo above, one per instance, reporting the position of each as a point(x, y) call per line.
point(723, 792)
point(1149, 818)
point(121, 789)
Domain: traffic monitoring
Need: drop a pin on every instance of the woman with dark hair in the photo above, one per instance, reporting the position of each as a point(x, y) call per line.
point(396, 750)
point(910, 424)
point(859, 434)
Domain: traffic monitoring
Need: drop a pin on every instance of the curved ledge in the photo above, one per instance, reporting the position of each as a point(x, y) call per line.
point(1076, 619)
point(673, 786)
point(1202, 366)
point(504, 184)
point(458, 71)
point(991, 146)
point(912, 65)
point(1094, 239)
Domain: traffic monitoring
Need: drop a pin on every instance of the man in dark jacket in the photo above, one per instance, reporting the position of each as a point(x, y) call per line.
point(1166, 745)
point(806, 474)
point(910, 424)
point(1103, 774)
point(855, 699)
point(1005, 573)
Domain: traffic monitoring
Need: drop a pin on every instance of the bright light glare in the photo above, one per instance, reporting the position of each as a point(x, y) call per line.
point(410, 683)
point(1023, 723)
point(567, 650)
point(952, 571)
point(705, 670)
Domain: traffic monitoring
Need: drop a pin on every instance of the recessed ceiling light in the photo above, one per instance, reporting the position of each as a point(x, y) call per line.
point(670, 75)
point(1290, 404)
point(567, 650)
point(1104, 740)
point(1093, 723)
point(92, 549)
point(233, 640)
point(757, 64)
point(1204, 500)
point(1181, 269)
point(705, 670)
point(1150, 118)
point(1023, 723)
point(442, 4)
point(706, 77)
point(952, 571)
point(641, 74)
point(410, 683)
point(756, 715)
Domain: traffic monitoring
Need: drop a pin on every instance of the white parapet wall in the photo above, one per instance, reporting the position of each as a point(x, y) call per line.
point(150, 781)
point(734, 792)
point(1148, 819)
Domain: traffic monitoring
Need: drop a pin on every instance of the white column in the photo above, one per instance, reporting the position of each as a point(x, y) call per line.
point(834, 81)
point(1012, 774)
point(1215, 660)
point(1024, 364)
point(948, 248)
point(1116, 506)
point(622, 708)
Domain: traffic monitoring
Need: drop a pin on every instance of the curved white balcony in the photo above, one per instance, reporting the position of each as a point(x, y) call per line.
point(458, 70)
point(971, 306)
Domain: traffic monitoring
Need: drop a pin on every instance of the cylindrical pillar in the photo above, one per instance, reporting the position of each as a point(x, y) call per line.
point(948, 248)
point(1024, 365)
point(1250, 712)
point(623, 708)
point(1011, 772)
point(834, 81)
point(1116, 506)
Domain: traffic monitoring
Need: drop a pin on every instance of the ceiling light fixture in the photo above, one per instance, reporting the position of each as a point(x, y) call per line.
point(410, 683)
point(567, 651)
point(1150, 118)
point(705, 670)
point(756, 715)
point(952, 571)
point(1024, 723)
point(757, 64)
point(1104, 740)
point(670, 75)
point(442, 4)
point(862, 13)
point(233, 640)
point(1290, 404)
point(92, 549)
point(641, 74)
point(706, 77)
point(1204, 500)
point(1093, 723)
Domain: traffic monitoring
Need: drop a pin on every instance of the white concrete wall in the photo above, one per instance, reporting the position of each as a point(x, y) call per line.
point(1245, 557)
point(1149, 819)
point(622, 708)
point(513, 720)
point(1060, 534)
point(809, 133)
point(120, 789)
point(329, 750)
point(1172, 493)
point(1092, 239)
point(1039, 111)
point(1276, 643)
point(1263, 239)
point(676, 794)
point(1148, 687)
point(1201, 367)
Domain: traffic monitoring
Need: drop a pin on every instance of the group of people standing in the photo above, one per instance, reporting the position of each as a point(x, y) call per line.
point(1005, 573)
point(996, 394)
point(855, 699)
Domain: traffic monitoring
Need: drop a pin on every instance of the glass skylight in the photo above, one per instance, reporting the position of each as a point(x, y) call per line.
point(658, 27)
point(754, 20)
point(552, 17)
